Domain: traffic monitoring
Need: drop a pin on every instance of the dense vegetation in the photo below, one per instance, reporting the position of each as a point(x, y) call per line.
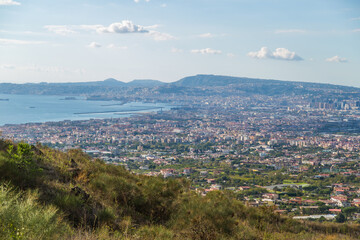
point(47, 194)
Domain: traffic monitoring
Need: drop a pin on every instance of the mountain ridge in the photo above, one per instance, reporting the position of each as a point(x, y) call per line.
point(227, 83)
point(222, 80)
point(198, 80)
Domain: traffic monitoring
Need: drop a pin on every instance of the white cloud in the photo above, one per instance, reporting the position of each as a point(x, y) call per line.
point(87, 27)
point(125, 26)
point(356, 30)
point(206, 35)
point(163, 5)
point(37, 68)
point(137, 1)
point(336, 59)
point(355, 19)
point(263, 53)
point(5, 41)
point(158, 36)
point(210, 35)
point(290, 31)
point(9, 3)
point(206, 51)
point(230, 55)
point(283, 53)
point(279, 54)
point(94, 45)
point(117, 47)
point(177, 50)
point(152, 27)
point(59, 29)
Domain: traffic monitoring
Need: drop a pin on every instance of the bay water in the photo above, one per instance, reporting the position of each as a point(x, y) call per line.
point(18, 109)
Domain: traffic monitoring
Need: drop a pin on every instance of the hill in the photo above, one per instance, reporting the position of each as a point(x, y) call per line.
point(74, 88)
point(259, 86)
point(192, 85)
point(47, 194)
point(213, 80)
point(145, 83)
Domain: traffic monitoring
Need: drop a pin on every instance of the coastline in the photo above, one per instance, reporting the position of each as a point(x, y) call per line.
point(24, 109)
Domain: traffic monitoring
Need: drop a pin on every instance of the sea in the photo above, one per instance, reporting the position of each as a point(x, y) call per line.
point(19, 109)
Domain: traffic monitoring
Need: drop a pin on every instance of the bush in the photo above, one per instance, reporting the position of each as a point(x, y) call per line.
point(22, 155)
point(22, 217)
point(68, 202)
point(153, 232)
point(207, 217)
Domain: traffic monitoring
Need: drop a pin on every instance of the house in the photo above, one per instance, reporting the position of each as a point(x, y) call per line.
point(356, 202)
point(216, 187)
point(326, 216)
point(167, 172)
point(296, 200)
point(341, 201)
point(328, 202)
point(340, 190)
point(272, 196)
point(267, 201)
point(242, 188)
point(252, 203)
point(335, 211)
point(210, 180)
point(309, 202)
point(280, 211)
point(187, 171)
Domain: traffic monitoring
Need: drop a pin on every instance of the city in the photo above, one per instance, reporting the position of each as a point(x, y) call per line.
point(295, 153)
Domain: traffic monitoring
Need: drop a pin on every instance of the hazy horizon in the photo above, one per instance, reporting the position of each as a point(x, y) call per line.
point(173, 81)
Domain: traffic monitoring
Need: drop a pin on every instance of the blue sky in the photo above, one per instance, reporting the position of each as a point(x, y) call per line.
point(68, 41)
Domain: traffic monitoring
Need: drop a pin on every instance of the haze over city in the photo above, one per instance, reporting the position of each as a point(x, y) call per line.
point(75, 41)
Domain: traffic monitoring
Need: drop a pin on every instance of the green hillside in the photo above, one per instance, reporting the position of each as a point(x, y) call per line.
point(47, 194)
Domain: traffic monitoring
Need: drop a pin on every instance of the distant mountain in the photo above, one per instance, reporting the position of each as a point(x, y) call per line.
point(145, 83)
point(212, 80)
point(74, 88)
point(111, 82)
point(203, 80)
point(258, 86)
point(193, 85)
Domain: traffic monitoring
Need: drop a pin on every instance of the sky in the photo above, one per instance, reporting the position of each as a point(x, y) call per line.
point(78, 40)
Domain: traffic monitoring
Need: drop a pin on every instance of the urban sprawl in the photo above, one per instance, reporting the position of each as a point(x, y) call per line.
point(295, 153)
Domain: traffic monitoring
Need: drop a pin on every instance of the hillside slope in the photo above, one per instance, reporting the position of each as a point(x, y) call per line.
point(192, 85)
point(204, 80)
point(83, 198)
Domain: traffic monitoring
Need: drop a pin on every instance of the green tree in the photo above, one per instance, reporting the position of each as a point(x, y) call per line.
point(21, 155)
point(348, 211)
point(340, 218)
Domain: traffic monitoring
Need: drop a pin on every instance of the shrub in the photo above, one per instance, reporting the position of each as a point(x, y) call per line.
point(22, 217)
point(153, 232)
